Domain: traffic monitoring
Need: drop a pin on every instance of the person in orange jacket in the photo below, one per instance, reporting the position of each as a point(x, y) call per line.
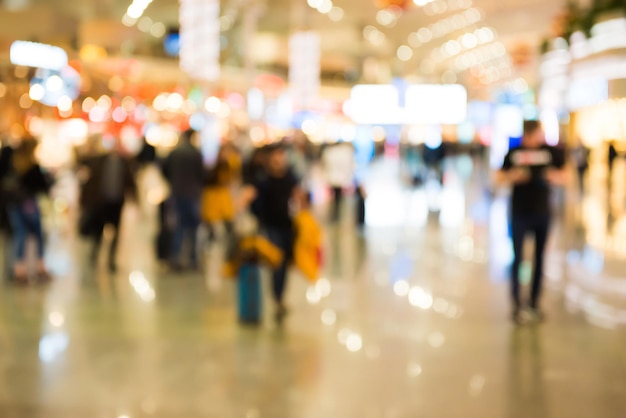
point(307, 256)
point(217, 198)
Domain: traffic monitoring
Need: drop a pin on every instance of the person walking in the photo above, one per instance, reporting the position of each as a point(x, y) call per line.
point(110, 181)
point(21, 185)
point(531, 170)
point(6, 157)
point(581, 158)
point(275, 195)
point(338, 161)
point(217, 197)
point(184, 171)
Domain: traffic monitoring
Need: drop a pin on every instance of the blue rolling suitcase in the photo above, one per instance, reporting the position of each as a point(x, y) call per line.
point(249, 294)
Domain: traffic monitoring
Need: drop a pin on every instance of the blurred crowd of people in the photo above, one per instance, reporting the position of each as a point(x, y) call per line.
point(270, 186)
point(261, 202)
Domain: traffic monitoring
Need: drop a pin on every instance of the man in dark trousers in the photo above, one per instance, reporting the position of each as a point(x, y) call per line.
point(275, 193)
point(110, 182)
point(6, 155)
point(184, 171)
point(531, 169)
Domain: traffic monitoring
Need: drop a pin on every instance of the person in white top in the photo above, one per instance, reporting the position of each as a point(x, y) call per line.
point(339, 165)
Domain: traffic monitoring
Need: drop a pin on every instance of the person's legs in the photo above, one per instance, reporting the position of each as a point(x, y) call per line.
point(99, 222)
point(280, 237)
point(179, 231)
point(114, 218)
point(541, 227)
point(34, 226)
point(211, 234)
point(188, 214)
point(581, 180)
point(19, 234)
point(518, 232)
point(193, 218)
point(337, 199)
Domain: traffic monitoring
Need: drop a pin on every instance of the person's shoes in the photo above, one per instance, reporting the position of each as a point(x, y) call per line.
point(20, 280)
point(281, 314)
point(176, 267)
point(44, 277)
point(516, 317)
point(537, 315)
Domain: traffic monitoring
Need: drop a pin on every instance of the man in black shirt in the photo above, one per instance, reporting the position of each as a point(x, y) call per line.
point(531, 169)
point(275, 193)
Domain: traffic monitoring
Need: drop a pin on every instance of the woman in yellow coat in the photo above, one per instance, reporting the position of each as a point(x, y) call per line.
point(217, 197)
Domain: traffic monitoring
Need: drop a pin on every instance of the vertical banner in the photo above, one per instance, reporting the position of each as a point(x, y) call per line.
point(304, 67)
point(200, 38)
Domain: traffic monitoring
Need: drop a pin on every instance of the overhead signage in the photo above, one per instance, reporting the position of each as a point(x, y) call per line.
point(200, 38)
point(304, 67)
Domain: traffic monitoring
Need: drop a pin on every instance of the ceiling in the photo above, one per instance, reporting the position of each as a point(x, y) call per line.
point(514, 21)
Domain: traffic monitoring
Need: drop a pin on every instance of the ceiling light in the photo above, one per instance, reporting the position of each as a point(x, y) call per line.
point(325, 7)
point(134, 11)
point(373, 35)
point(213, 104)
point(64, 104)
point(404, 53)
point(36, 92)
point(386, 17)
point(314, 3)
point(440, 7)
point(157, 30)
point(424, 35)
point(336, 14)
point(119, 115)
point(145, 24)
point(174, 102)
point(472, 16)
point(88, 104)
point(458, 21)
point(104, 102)
point(446, 26)
point(128, 21)
point(452, 48)
point(469, 41)
point(437, 30)
point(54, 84)
point(414, 40)
point(484, 35)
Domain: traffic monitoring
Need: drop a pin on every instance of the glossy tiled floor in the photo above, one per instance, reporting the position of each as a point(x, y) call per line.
point(412, 321)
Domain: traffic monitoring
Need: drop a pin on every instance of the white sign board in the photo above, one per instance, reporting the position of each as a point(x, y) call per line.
point(435, 104)
point(425, 104)
point(32, 54)
point(375, 105)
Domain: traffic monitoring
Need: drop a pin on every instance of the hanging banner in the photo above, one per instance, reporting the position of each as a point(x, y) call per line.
point(200, 38)
point(304, 67)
